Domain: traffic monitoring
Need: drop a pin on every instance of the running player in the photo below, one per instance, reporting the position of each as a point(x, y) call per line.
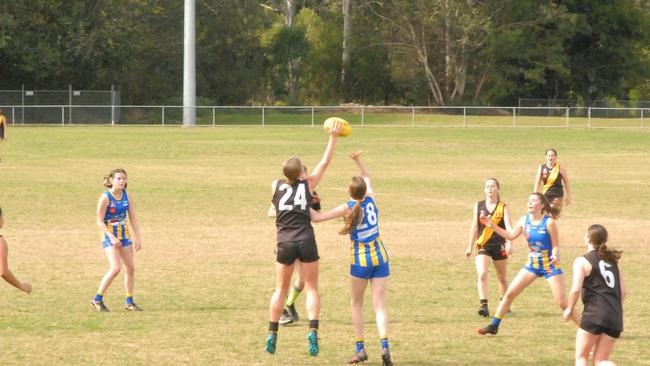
point(6, 273)
point(289, 313)
point(539, 226)
point(490, 246)
point(549, 181)
point(113, 208)
point(296, 241)
point(598, 276)
point(368, 257)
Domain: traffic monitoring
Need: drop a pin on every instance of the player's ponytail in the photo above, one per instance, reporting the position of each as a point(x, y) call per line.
point(553, 212)
point(597, 235)
point(352, 217)
point(108, 179)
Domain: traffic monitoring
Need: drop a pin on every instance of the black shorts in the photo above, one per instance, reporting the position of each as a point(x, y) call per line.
point(495, 251)
point(305, 250)
point(594, 328)
point(554, 192)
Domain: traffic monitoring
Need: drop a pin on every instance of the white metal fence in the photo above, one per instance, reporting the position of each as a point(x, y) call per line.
point(456, 116)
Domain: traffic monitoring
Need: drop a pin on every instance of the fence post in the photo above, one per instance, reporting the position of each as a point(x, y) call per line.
point(464, 117)
point(22, 104)
point(262, 116)
point(62, 116)
point(312, 116)
point(163, 115)
point(589, 117)
point(641, 117)
point(70, 101)
point(213, 119)
point(362, 116)
point(514, 117)
point(412, 116)
point(566, 118)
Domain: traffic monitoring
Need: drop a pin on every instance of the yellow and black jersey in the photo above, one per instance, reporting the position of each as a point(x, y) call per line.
point(552, 180)
point(487, 236)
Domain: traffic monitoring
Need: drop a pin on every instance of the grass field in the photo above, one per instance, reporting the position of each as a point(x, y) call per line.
point(206, 271)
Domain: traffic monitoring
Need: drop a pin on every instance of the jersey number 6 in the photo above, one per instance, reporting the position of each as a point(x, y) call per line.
point(607, 275)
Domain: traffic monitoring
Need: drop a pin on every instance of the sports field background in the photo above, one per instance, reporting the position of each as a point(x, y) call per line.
point(206, 271)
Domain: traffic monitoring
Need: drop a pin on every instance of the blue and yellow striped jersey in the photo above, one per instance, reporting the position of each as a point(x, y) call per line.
point(116, 214)
point(367, 249)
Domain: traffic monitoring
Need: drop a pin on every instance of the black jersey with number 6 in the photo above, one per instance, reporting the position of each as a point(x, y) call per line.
point(292, 203)
point(601, 294)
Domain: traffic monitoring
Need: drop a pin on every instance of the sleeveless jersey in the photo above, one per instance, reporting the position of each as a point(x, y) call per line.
point(495, 239)
point(3, 121)
point(555, 189)
point(539, 240)
point(115, 217)
point(367, 230)
point(292, 204)
point(601, 294)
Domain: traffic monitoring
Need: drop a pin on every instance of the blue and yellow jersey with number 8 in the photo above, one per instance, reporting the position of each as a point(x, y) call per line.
point(115, 218)
point(367, 249)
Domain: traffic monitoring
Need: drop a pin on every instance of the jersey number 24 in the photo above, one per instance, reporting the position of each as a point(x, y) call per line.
point(300, 199)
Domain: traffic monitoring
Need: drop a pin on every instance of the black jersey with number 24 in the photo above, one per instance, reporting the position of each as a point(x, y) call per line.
point(292, 203)
point(601, 294)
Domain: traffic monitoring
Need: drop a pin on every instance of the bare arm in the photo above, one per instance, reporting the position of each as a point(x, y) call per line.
point(133, 219)
point(623, 288)
point(551, 227)
point(363, 171)
point(506, 219)
point(581, 267)
point(511, 234)
point(319, 170)
point(538, 180)
point(567, 186)
point(6, 273)
point(102, 205)
point(271, 212)
point(473, 232)
point(327, 215)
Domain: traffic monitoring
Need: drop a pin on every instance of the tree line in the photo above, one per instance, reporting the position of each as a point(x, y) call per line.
point(323, 52)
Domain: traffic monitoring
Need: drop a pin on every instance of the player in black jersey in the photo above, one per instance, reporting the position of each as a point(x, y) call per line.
point(552, 181)
point(295, 240)
point(290, 314)
point(490, 246)
point(598, 276)
point(7, 275)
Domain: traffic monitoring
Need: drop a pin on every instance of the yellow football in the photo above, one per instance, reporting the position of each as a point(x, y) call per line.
point(345, 131)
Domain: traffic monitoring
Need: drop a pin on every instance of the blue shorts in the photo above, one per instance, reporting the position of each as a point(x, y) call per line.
point(540, 267)
point(382, 270)
point(125, 243)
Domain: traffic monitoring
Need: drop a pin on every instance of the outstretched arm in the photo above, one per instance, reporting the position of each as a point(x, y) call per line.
point(327, 215)
point(363, 171)
point(319, 170)
point(6, 273)
point(511, 234)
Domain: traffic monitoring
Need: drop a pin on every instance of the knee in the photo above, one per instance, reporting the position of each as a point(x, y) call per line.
point(509, 296)
point(483, 277)
point(114, 271)
point(130, 270)
point(356, 302)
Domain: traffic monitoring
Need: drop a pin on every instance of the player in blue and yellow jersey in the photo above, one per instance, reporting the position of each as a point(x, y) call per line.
point(368, 257)
point(113, 209)
point(7, 275)
point(539, 226)
point(552, 181)
point(489, 245)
